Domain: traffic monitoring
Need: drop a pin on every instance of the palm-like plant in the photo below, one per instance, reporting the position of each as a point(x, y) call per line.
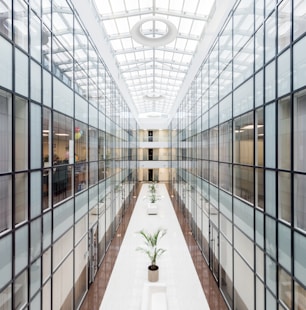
point(151, 241)
point(152, 187)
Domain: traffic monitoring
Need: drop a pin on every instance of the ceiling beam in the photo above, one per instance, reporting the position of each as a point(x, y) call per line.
point(146, 11)
point(141, 49)
point(127, 35)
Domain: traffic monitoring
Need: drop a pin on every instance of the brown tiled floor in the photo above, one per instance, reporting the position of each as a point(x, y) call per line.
point(96, 291)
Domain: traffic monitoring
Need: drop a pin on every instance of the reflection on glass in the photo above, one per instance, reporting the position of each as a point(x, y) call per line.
point(299, 17)
point(244, 139)
point(21, 197)
point(284, 24)
point(299, 201)
point(21, 290)
point(285, 287)
point(299, 296)
point(62, 155)
point(21, 134)
point(80, 156)
point(284, 196)
point(21, 24)
point(6, 297)
point(36, 35)
point(244, 183)
point(270, 37)
point(259, 188)
point(225, 142)
point(300, 132)
point(284, 133)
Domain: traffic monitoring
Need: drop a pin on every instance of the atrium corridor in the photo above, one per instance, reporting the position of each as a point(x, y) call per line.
point(96, 291)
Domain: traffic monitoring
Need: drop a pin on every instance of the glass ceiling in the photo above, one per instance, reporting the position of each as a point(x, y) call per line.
point(153, 75)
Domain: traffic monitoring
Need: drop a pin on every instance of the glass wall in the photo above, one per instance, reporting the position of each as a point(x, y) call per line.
point(250, 167)
point(67, 141)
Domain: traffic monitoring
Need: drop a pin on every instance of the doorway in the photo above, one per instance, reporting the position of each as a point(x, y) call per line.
point(150, 174)
point(150, 154)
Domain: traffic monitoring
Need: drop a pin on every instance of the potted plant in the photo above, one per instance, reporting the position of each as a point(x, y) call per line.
point(152, 250)
point(152, 187)
point(152, 205)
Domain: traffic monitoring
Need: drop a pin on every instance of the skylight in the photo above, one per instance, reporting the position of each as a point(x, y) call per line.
point(156, 68)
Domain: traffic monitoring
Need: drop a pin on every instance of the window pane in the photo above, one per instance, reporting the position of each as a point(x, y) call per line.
point(270, 236)
point(300, 201)
point(93, 144)
point(299, 298)
point(298, 13)
point(259, 44)
point(270, 42)
point(35, 81)
point(35, 277)
point(259, 228)
point(284, 73)
point(259, 188)
point(244, 294)
point(21, 134)
point(270, 122)
point(6, 65)
point(225, 177)
point(21, 73)
point(299, 64)
point(271, 279)
point(47, 228)
point(5, 202)
point(244, 181)
point(21, 197)
point(47, 88)
point(6, 260)
point(284, 196)
point(244, 139)
point(62, 219)
point(5, 131)
point(284, 250)
point(259, 89)
point(285, 287)
point(284, 133)
point(225, 142)
point(35, 194)
point(270, 82)
point(284, 29)
point(35, 136)
point(62, 146)
point(35, 33)
point(299, 257)
point(226, 268)
point(259, 137)
point(6, 297)
point(35, 229)
point(299, 132)
point(21, 16)
point(21, 248)
point(21, 290)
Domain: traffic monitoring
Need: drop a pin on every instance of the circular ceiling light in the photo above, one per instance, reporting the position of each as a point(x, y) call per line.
point(164, 39)
point(153, 97)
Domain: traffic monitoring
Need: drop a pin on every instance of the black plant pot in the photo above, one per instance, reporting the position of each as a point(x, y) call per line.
point(153, 273)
